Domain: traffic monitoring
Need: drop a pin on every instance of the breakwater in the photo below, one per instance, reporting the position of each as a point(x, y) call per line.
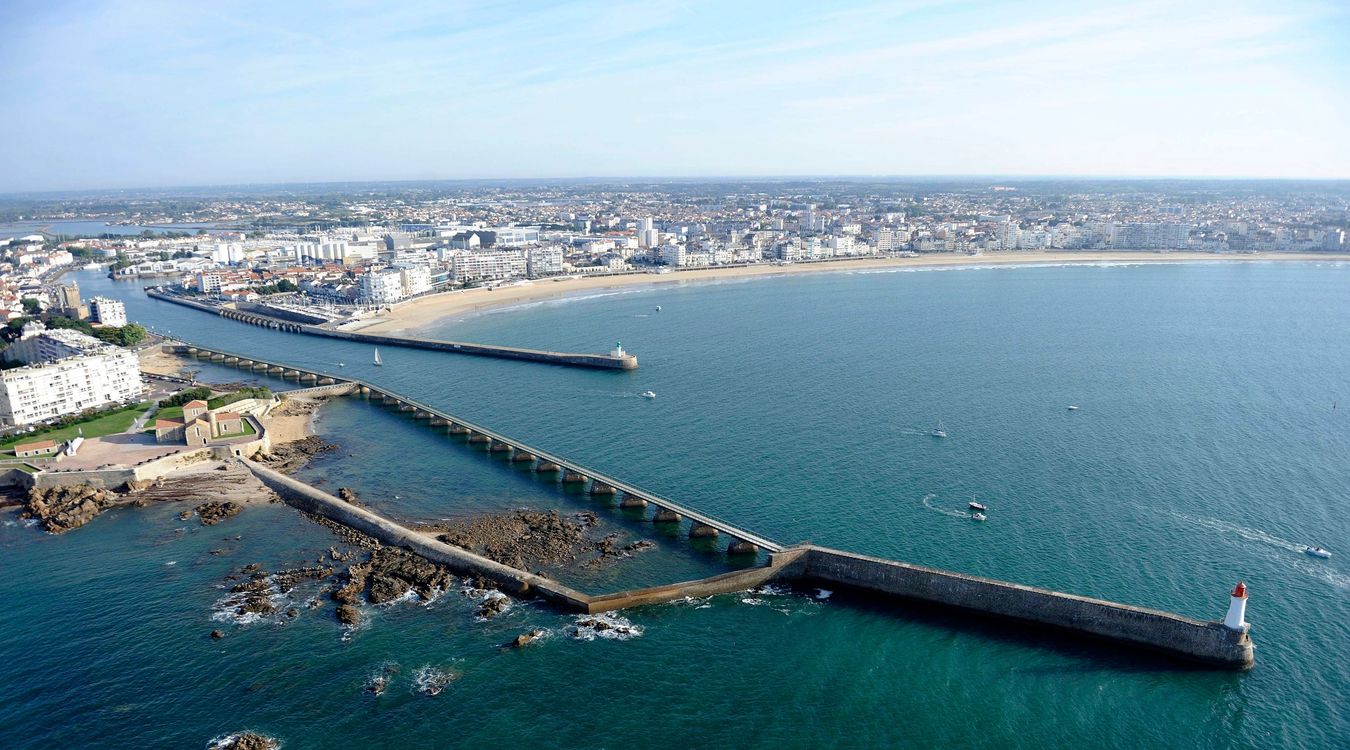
point(264, 316)
point(1120, 624)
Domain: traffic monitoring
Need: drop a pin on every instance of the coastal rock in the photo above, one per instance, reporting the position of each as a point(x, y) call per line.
point(348, 614)
point(524, 539)
point(185, 515)
point(136, 485)
point(61, 509)
point(244, 741)
point(347, 495)
point(393, 572)
point(217, 635)
point(288, 457)
point(214, 512)
point(495, 604)
point(527, 638)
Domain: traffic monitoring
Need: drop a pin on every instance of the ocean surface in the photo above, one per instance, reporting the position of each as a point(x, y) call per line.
point(1209, 446)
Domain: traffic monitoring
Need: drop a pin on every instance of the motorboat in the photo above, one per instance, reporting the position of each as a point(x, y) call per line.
point(658, 308)
point(1316, 552)
point(1073, 408)
point(978, 516)
point(342, 364)
point(648, 394)
point(940, 431)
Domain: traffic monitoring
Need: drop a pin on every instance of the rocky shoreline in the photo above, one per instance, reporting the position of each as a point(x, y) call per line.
point(288, 458)
point(528, 540)
point(60, 509)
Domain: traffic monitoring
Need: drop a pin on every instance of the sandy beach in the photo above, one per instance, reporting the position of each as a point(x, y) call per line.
point(419, 313)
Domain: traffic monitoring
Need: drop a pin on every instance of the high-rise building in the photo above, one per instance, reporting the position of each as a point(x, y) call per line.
point(108, 312)
point(65, 372)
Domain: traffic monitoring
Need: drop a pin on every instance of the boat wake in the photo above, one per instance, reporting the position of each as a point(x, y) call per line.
point(1251, 535)
point(1302, 563)
point(927, 503)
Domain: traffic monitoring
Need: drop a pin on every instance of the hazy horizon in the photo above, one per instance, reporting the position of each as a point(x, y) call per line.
point(141, 96)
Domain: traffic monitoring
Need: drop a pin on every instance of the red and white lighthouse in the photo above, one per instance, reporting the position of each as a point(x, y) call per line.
point(1236, 619)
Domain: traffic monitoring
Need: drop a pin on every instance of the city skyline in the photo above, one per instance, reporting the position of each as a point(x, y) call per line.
point(117, 96)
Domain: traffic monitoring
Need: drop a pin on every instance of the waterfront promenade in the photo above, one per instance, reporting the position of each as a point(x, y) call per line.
point(1121, 624)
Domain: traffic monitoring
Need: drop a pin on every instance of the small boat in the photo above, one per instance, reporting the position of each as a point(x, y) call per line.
point(976, 506)
point(1073, 408)
point(342, 364)
point(658, 308)
point(978, 516)
point(648, 394)
point(1316, 552)
point(939, 431)
point(378, 361)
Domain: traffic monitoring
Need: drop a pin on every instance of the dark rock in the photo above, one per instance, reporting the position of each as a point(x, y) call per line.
point(525, 638)
point(217, 634)
point(493, 606)
point(214, 512)
point(347, 614)
point(61, 509)
point(245, 741)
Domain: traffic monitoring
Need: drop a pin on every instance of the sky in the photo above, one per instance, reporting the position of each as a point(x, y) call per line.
point(148, 94)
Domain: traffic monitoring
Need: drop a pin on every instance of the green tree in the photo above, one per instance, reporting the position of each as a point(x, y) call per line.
point(31, 306)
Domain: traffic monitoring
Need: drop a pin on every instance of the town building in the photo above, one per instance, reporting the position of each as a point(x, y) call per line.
point(108, 312)
point(64, 372)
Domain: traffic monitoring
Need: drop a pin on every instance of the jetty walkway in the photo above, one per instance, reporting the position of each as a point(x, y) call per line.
point(294, 322)
point(1210, 642)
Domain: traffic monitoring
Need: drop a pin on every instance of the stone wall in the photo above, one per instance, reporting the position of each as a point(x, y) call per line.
point(1208, 642)
point(312, 500)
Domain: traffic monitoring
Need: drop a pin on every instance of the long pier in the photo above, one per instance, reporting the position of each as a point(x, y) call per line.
point(616, 360)
point(1208, 642)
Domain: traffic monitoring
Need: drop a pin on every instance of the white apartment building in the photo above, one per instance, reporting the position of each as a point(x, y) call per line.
point(492, 264)
point(66, 372)
point(416, 279)
point(108, 312)
point(383, 287)
point(209, 283)
point(1151, 236)
point(673, 255)
point(544, 261)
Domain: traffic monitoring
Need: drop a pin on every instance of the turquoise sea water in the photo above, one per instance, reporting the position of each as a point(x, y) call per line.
point(1206, 450)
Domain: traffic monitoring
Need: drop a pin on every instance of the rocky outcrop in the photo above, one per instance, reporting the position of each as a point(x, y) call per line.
point(526, 638)
point(288, 457)
point(347, 495)
point(214, 512)
point(244, 741)
point(394, 572)
point(257, 594)
point(61, 509)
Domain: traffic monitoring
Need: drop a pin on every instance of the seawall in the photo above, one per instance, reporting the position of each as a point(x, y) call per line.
point(265, 315)
point(1207, 642)
point(312, 500)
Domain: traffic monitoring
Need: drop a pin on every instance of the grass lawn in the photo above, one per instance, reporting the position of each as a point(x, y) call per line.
point(170, 412)
point(104, 424)
point(248, 430)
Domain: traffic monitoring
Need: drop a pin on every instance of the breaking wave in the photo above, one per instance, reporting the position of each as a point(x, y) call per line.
point(610, 626)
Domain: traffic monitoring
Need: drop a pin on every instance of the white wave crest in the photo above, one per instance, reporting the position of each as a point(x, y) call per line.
point(610, 626)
